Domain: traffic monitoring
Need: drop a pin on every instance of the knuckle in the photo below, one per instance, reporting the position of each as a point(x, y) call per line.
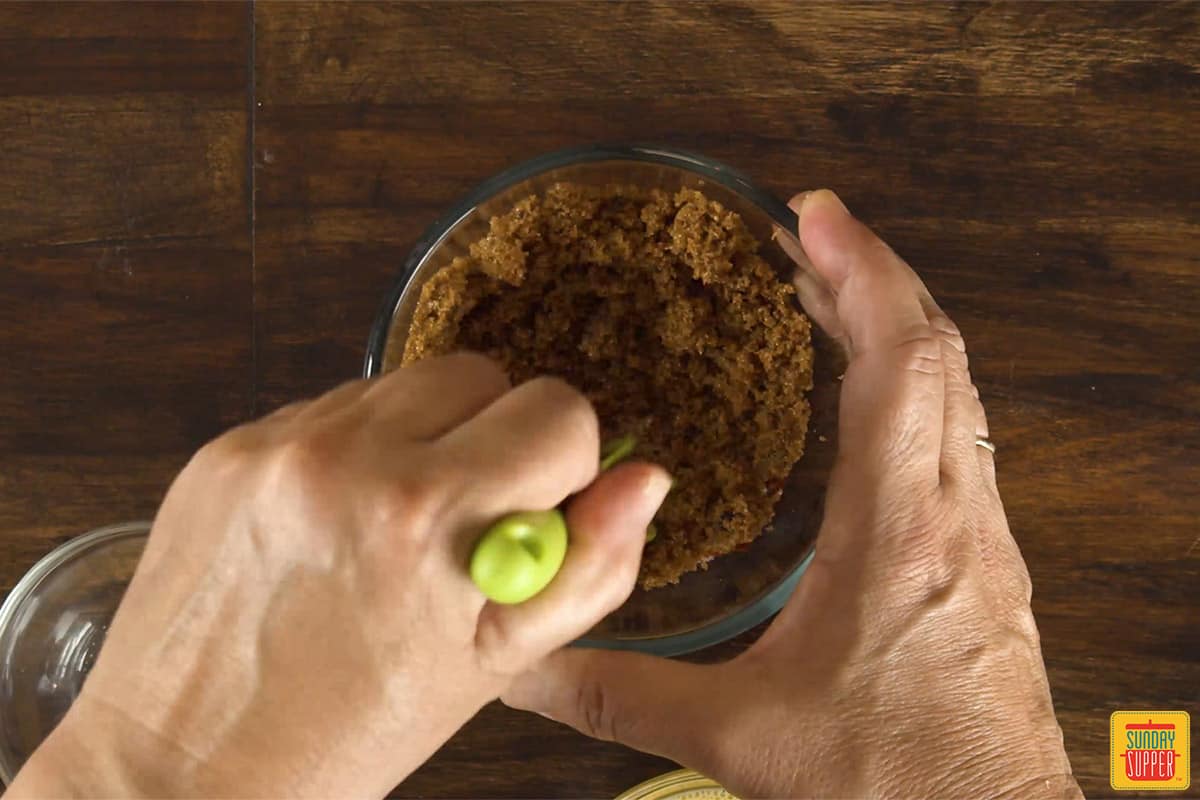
point(955, 357)
point(954, 350)
point(343, 391)
point(919, 349)
point(959, 395)
point(572, 410)
point(1023, 580)
point(500, 645)
point(289, 411)
point(944, 325)
point(1026, 588)
point(306, 459)
point(981, 422)
point(231, 451)
point(406, 504)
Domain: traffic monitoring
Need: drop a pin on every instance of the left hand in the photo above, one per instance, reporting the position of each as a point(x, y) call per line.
point(302, 622)
point(907, 662)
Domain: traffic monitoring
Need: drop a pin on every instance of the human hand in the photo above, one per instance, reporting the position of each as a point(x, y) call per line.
point(302, 622)
point(907, 663)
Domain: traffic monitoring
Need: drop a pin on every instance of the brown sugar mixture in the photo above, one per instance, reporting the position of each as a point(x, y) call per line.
point(658, 308)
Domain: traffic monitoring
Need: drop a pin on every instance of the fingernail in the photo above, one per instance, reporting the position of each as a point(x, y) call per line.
point(798, 201)
point(658, 483)
point(950, 333)
point(812, 199)
point(828, 196)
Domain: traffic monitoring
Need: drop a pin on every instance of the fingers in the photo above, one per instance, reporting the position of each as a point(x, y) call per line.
point(960, 454)
point(891, 413)
point(878, 296)
point(963, 459)
point(287, 412)
point(647, 703)
point(425, 400)
point(607, 525)
point(987, 459)
point(528, 450)
point(815, 295)
point(987, 463)
point(335, 399)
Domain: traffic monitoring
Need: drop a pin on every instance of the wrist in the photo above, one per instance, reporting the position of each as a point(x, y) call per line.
point(1047, 787)
point(94, 752)
point(1009, 765)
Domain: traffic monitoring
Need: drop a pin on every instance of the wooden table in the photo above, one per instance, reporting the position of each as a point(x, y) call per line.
point(201, 205)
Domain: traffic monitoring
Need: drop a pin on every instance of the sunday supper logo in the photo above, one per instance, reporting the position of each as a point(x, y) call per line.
point(1150, 750)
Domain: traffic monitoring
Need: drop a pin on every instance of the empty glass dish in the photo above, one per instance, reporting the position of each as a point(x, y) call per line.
point(51, 627)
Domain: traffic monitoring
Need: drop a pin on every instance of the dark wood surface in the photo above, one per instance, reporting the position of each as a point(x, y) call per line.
point(201, 206)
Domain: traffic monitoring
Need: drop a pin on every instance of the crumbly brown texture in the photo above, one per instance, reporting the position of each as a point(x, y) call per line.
point(659, 309)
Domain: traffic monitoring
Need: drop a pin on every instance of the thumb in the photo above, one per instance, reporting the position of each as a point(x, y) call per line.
point(607, 523)
point(891, 413)
point(644, 702)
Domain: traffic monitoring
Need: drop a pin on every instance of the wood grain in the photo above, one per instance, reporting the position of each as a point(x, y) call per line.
point(125, 304)
point(1038, 164)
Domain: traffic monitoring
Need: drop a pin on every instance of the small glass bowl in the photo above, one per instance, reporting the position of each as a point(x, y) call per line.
point(51, 627)
point(743, 588)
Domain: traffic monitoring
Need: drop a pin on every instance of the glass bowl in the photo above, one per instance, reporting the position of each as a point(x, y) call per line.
point(51, 627)
point(743, 588)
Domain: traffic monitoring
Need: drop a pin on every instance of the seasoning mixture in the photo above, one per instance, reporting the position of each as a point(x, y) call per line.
point(658, 308)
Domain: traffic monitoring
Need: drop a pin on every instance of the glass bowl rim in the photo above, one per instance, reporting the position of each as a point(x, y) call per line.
point(58, 556)
point(704, 166)
point(771, 600)
point(46, 565)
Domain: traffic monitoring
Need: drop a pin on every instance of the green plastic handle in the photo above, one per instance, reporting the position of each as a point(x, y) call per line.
point(616, 451)
point(519, 555)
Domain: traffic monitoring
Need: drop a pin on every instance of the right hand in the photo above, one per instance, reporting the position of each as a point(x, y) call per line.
point(907, 663)
point(302, 623)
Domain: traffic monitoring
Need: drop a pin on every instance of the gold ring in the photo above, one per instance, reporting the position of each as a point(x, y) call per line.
point(986, 445)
